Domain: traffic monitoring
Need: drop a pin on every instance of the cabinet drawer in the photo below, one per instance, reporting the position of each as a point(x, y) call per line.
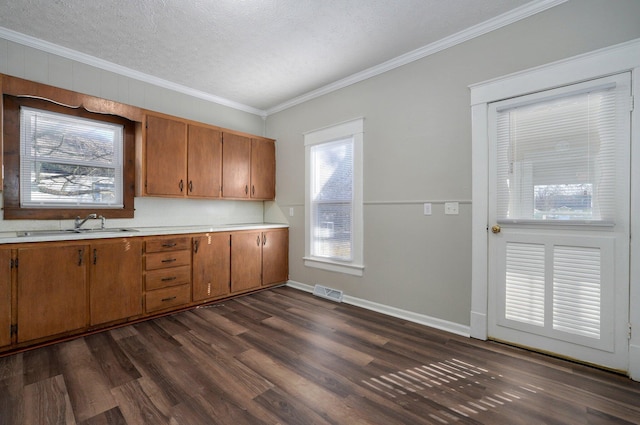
point(161, 260)
point(165, 298)
point(168, 244)
point(163, 278)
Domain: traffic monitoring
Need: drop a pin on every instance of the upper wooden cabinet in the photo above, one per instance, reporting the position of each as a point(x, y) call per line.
point(165, 157)
point(204, 164)
point(181, 159)
point(263, 169)
point(248, 167)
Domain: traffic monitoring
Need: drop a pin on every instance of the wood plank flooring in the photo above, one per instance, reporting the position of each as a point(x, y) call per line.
point(282, 356)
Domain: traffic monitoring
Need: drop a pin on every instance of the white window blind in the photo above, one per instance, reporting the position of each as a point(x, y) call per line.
point(556, 157)
point(334, 236)
point(576, 290)
point(332, 199)
point(69, 161)
point(525, 283)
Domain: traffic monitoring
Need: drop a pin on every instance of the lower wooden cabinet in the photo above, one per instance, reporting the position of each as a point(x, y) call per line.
point(6, 267)
point(246, 261)
point(52, 290)
point(211, 266)
point(275, 256)
point(167, 277)
point(264, 259)
point(115, 291)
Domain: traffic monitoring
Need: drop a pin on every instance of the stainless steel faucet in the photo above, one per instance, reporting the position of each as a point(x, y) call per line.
point(79, 222)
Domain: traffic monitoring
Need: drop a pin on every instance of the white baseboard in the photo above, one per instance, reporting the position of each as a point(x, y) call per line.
point(634, 362)
point(422, 319)
point(479, 325)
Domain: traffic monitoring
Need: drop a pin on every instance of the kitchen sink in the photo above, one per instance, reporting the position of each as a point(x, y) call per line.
point(73, 231)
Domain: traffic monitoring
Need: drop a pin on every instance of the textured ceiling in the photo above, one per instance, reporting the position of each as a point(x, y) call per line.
point(258, 53)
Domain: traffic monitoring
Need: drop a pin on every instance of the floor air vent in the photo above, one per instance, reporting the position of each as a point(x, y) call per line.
point(328, 293)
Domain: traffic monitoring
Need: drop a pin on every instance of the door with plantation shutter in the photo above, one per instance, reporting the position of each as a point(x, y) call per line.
point(559, 221)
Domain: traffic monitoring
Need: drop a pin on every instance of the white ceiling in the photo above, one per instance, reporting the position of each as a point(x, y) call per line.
point(257, 55)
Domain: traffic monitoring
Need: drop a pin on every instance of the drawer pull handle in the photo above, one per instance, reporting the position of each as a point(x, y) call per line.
point(169, 260)
point(169, 245)
point(169, 299)
point(168, 279)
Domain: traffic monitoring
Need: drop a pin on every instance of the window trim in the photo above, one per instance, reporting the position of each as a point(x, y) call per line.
point(11, 135)
point(350, 129)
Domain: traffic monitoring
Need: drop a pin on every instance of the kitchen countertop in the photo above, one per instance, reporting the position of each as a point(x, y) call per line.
point(11, 237)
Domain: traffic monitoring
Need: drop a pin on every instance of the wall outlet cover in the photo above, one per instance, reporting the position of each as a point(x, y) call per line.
point(451, 208)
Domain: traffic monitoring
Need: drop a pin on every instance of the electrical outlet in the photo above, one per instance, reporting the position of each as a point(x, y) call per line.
point(427, 208)
point(451, 208)
point(290, 212)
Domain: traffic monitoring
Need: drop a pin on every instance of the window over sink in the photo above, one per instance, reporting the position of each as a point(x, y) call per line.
point(62, 162)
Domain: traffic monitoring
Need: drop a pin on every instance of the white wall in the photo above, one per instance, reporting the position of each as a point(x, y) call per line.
point(417, 148)
point(32, 64)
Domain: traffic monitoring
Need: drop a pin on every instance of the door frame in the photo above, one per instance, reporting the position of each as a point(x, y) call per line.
point(623, 57)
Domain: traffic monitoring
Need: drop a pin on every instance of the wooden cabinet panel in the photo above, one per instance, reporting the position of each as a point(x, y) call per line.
point(161, 260)
point(165, 298)
point(167, 273)
point(162, 278)
point(5, 297)
point(263, 169)
point(204, 163)
point(170, 243)
point(275, 256)
point(115, 280)
point(246, 260)
point(165, 157)
point(211, 266)
point(236, 166)
point(52, 290)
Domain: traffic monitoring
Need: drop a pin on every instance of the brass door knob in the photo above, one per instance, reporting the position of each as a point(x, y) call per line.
point(495, 228)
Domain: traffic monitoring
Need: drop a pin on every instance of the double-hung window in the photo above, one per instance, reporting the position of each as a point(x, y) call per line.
point(69, 161)
point(334, 198)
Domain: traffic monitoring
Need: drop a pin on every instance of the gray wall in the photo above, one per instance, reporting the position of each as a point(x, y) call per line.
point(417, 148)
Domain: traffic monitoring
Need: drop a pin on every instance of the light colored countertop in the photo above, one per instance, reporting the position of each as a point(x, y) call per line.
point(62, 235)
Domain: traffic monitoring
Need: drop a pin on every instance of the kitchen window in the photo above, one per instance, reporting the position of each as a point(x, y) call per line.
point(333, 205)
point(62, 162)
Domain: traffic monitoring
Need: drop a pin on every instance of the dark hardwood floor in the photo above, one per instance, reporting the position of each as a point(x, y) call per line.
point(285, 357)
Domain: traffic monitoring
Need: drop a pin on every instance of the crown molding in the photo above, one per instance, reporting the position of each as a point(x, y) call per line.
point(529, 9)
point(505, 19)
point(86, 59)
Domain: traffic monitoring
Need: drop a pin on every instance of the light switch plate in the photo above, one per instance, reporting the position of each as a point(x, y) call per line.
point(427, 208)
point(451, 208)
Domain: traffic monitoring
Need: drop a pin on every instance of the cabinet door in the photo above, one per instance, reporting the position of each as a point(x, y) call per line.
point(204, 170)
point(263, 169)
point(5, 297)
point(275, 256)
point(52, 290)
point(236, 166)
point(165, 157)
point(116, 280)
point(246, 261)
point(211, 265)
